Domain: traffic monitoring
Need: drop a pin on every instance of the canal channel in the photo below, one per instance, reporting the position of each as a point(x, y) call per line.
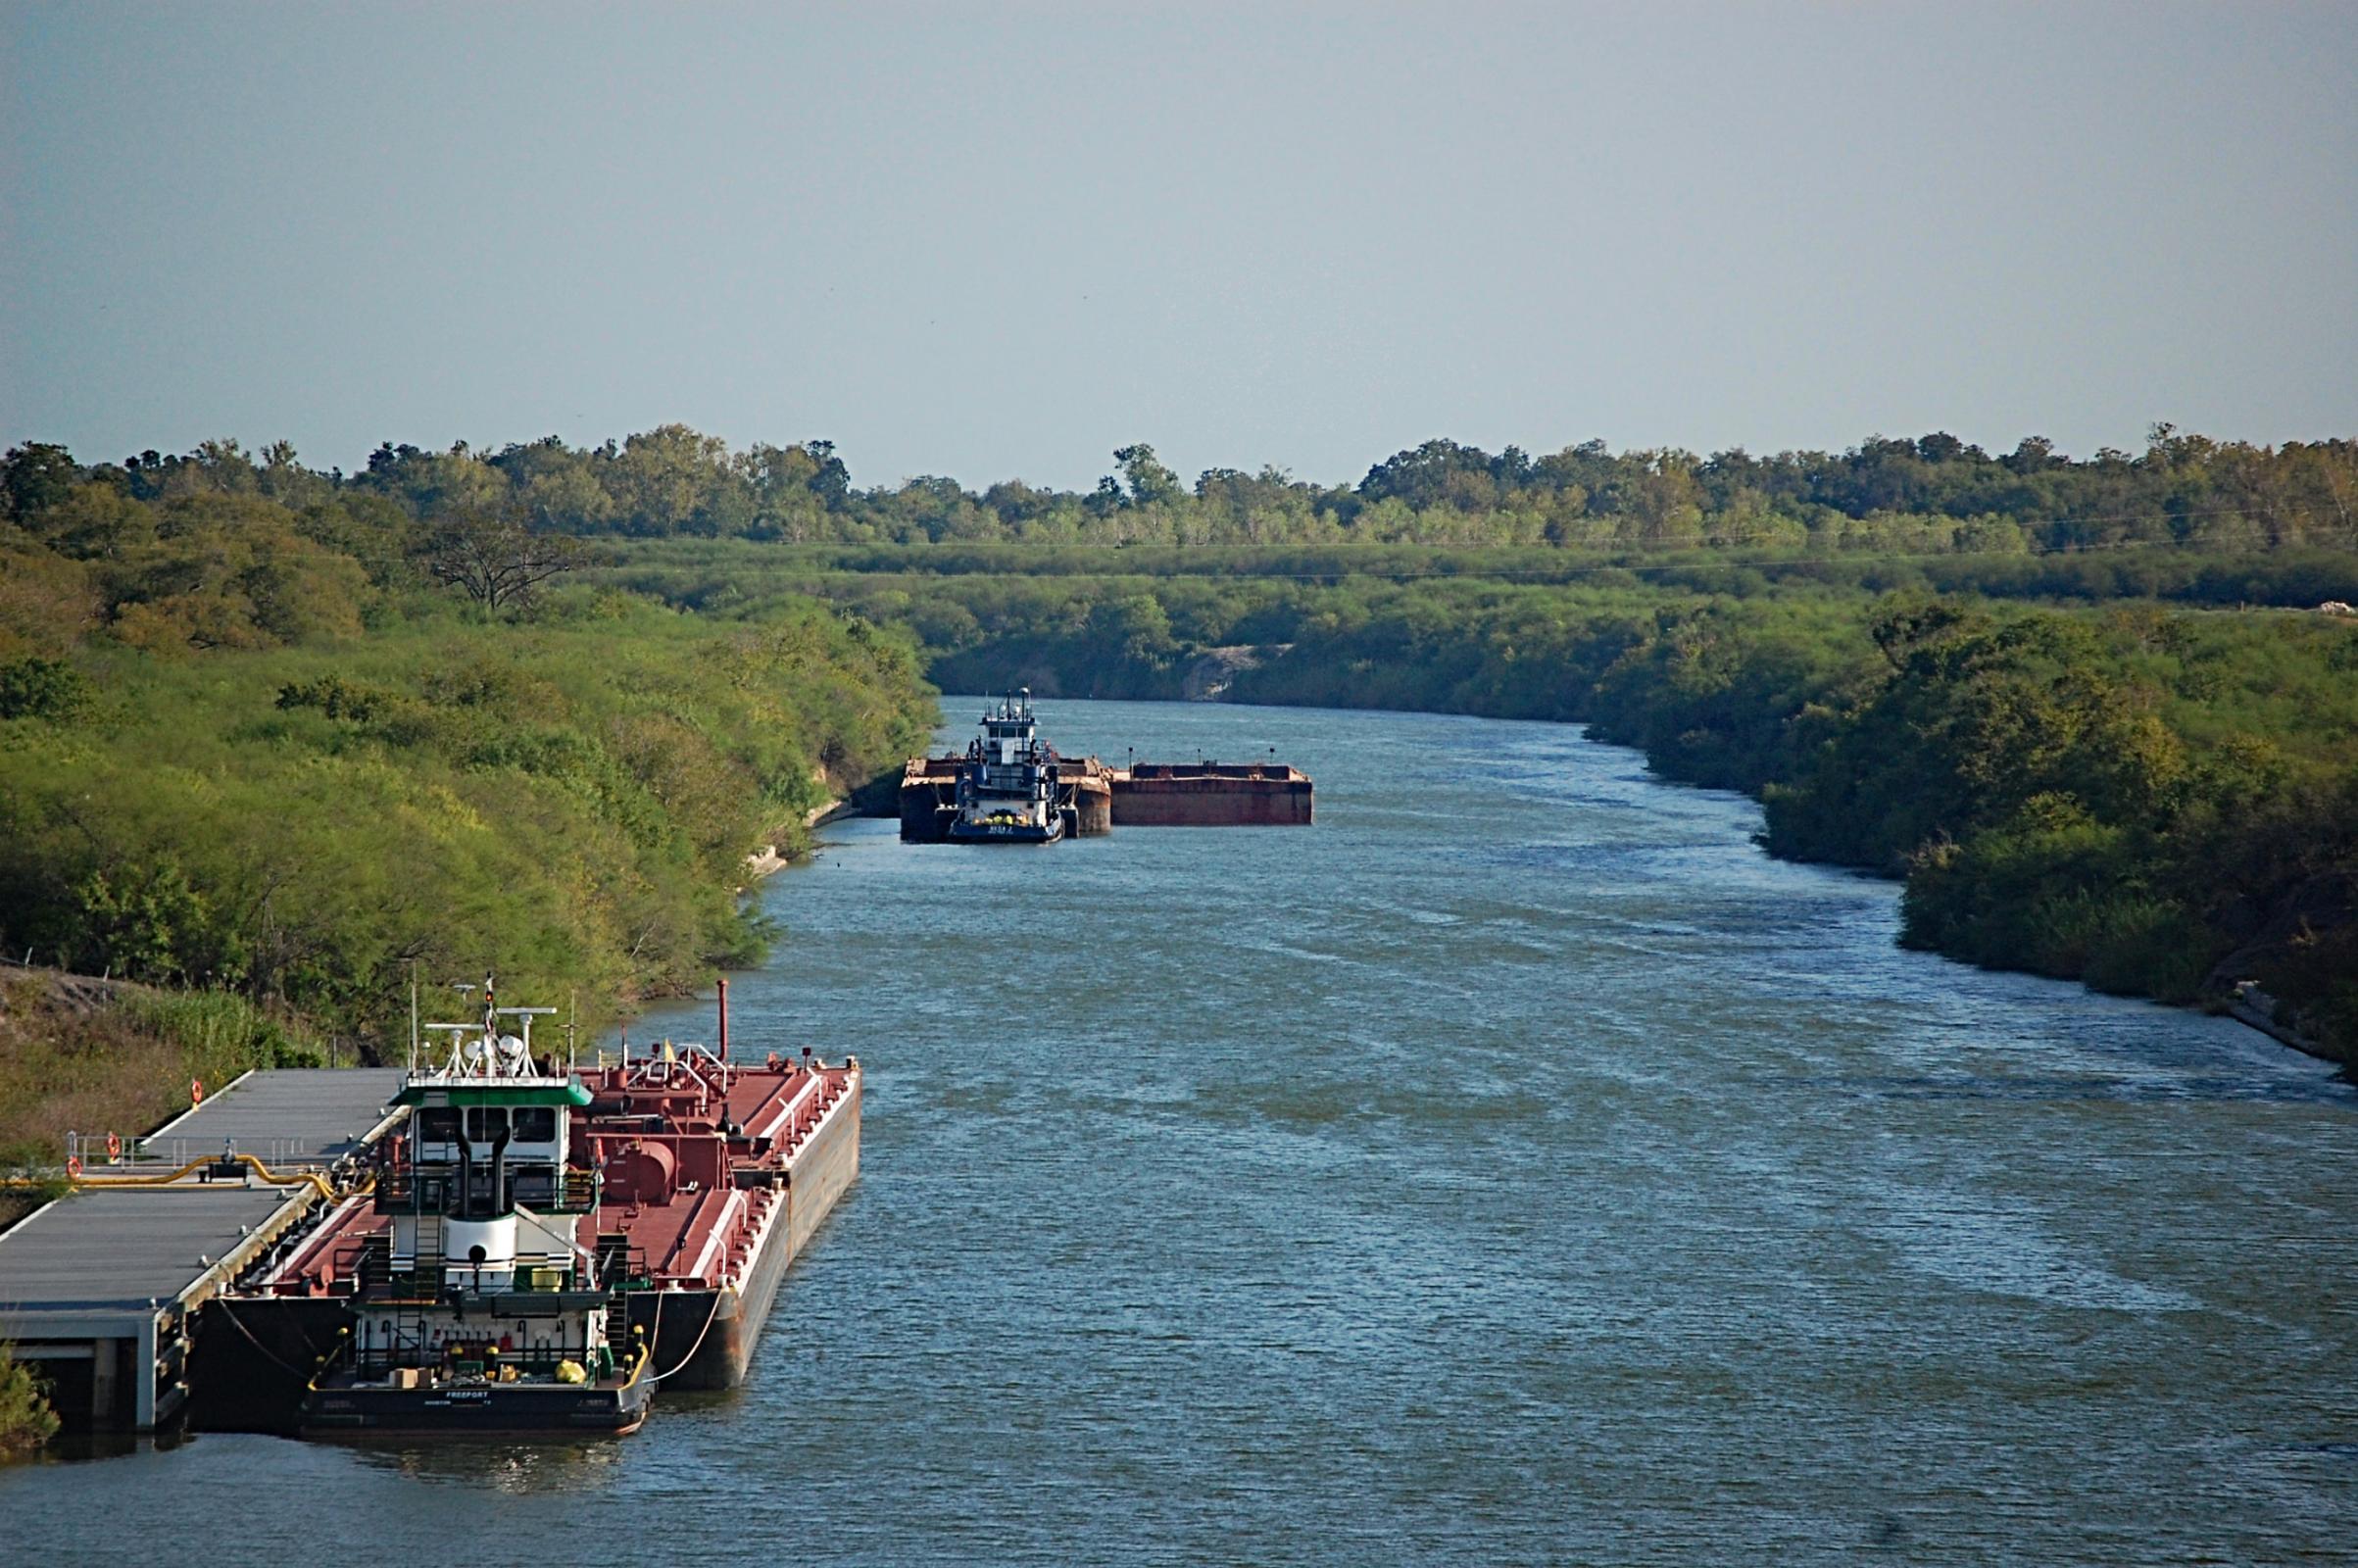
point(1515, 1166)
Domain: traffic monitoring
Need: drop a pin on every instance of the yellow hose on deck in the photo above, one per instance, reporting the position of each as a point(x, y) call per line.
point(267, 1177)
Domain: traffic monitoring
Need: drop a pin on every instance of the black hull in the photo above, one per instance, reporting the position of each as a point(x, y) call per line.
point(254, 1356)
point(488, 1410)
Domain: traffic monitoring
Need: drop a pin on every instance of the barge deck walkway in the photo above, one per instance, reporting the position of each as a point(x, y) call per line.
point(100, 1285)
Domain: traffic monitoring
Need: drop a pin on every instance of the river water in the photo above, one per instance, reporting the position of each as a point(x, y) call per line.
point(1516, 1167)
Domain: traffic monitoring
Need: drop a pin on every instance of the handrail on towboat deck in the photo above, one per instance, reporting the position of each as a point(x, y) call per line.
point(344, 1343)
point(155, 1150)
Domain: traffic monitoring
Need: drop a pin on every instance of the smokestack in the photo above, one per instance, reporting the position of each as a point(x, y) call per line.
point(724, 1021)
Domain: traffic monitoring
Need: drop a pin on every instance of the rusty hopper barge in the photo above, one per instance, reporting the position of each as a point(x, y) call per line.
point(547, 1250)
point(1213, 795)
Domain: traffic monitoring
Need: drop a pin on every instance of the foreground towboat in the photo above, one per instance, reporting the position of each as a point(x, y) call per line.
point(474, 1308)
point(544, 1249)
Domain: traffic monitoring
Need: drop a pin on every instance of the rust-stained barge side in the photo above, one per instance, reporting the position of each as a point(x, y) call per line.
point(1213, 795)
point(708, 1275)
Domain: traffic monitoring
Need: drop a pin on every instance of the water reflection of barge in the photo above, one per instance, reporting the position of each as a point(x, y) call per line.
point(676, 1188)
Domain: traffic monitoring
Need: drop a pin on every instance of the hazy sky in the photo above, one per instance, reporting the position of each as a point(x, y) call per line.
point(987, 240)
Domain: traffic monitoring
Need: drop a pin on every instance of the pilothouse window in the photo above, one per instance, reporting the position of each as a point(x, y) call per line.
point(535, 1124)
point(438, 1124)
point(485, 1124)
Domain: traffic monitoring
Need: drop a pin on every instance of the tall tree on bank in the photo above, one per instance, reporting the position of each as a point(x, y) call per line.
point(495, 560)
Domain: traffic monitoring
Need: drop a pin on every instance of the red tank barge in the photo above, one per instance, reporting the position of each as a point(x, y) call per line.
point(689, 1181)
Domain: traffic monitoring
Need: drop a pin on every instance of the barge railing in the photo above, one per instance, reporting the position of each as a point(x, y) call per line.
point(111, 1151)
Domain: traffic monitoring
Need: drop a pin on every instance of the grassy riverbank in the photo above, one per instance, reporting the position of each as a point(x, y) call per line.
point(295, 748)
point(83, 1055)
point(570, 801)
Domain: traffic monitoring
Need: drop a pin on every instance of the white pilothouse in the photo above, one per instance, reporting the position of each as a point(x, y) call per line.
point(478, 1307)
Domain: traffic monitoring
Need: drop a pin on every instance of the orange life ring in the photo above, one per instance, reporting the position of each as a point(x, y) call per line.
point(114, 1150)
point(196, 1092)
point(73, 1167)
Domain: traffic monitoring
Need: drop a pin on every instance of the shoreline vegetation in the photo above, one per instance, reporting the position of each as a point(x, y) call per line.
point(288, 735)
point(265, 758)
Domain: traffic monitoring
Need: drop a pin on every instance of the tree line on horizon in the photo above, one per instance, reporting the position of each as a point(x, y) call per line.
point(2156, 800)
point(1932, 493)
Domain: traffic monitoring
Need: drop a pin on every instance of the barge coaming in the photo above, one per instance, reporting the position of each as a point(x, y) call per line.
point(705, 1334)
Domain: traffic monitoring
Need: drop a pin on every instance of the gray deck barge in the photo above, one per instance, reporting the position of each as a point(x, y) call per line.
point(99, 1286)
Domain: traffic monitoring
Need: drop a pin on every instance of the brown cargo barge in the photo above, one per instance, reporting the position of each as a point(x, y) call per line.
point(1213, 795)
point(1011, 785)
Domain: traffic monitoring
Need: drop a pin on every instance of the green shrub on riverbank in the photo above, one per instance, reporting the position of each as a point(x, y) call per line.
point(25, 1419)
point(568, 801)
